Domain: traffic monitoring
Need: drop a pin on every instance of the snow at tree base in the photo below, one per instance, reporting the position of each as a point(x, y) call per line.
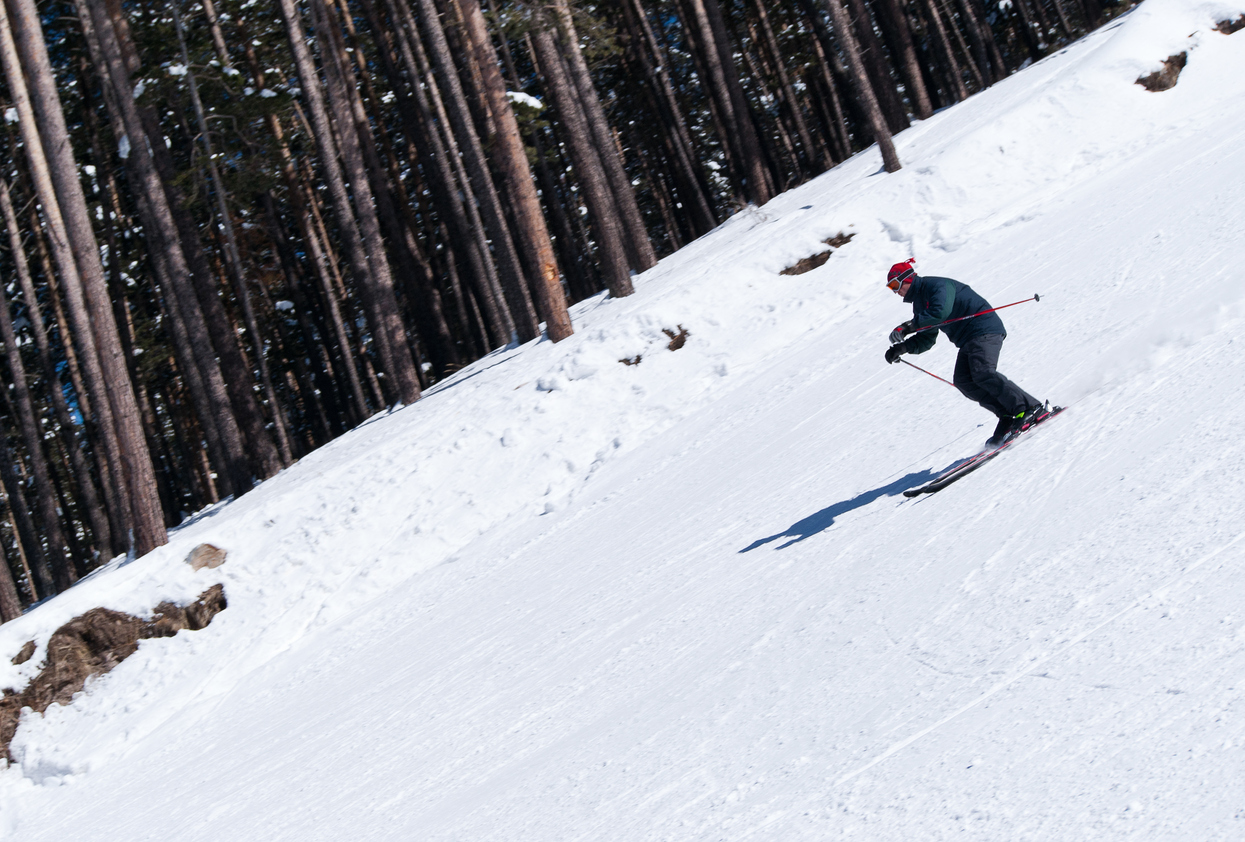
point(566, 598)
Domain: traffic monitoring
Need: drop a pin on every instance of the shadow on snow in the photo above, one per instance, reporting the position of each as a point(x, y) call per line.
point(823, 520)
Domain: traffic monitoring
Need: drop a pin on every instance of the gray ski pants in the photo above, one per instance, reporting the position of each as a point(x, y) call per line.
point(975, 376)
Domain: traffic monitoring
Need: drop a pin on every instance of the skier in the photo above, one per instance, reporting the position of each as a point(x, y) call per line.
point(936, 300)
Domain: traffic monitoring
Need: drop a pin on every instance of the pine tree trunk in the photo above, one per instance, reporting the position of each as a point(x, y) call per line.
point(639, 249)
point(951, 69)
point(511, 157)
point(200, 366)
point(1093, 12)
point(237, 375)
point(316, 236)
point(86, 290)
point(42, 582)
point(775, 158)
point(312, 375)
point(96, 516)
point(793, 104)
point(864, 93)
point(661, 194)
point(368, 264)
point(267, 461)
point(377, 290)
point(1024, 23)
point(422, 299)
point(454, 101)
point(964, 51)
point(692, 186)
point(306, 215)
point(827, 59)
point(28, 424)
point(894, 25)
point(10, 602)
point(596, 189)
point(723, 83)
point(420, 127)
point(455, 203)
point(981, 55)
point(874, 59)
point(580, 277)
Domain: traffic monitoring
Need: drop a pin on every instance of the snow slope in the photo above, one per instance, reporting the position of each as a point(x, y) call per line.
point(564, 598)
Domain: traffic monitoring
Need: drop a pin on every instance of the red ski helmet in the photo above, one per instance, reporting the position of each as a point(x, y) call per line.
point(900, 274)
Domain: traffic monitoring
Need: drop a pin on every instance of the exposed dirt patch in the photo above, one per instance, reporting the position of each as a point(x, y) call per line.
point(808, 264)
point(93, 644)
point(677, 340)
point(811, 262)
point(1165, 79)
point(1227, 27)
point(25, 654)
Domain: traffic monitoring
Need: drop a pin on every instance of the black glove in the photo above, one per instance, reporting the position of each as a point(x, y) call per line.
point(893, 353)
point(900, 333)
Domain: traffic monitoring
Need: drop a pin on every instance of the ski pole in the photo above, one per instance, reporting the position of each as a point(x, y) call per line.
point(1035, 297)
point(930, 373)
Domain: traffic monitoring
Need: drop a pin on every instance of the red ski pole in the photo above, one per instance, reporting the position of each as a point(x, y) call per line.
point(930, 373)
point(1035, 297)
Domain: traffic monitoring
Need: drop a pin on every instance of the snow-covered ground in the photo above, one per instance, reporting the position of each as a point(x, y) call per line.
point(566, 598)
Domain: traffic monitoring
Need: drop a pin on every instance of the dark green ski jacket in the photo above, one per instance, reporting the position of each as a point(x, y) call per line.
point(936, 300)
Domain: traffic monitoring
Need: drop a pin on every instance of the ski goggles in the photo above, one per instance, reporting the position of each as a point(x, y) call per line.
point(898, 281)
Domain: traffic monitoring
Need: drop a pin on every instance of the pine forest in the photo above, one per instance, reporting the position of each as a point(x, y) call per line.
point(236, 229)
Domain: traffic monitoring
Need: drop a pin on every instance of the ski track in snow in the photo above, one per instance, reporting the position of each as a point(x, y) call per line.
point(563, 598)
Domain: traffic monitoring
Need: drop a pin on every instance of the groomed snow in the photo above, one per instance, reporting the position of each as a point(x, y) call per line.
point(564, 598)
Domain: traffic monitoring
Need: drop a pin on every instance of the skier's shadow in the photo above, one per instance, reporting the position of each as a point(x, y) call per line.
point(823, 520)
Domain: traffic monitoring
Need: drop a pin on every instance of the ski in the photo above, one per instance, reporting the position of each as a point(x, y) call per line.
point(966, 467)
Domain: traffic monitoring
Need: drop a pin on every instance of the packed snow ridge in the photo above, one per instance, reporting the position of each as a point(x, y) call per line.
point(563, 597)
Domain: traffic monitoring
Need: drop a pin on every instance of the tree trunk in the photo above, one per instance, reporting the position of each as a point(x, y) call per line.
point(511, 157)
point(257, 437)
point(639, 249)
point(895, 27)
point(368, 264)
point(1024, 23)
point(200, 366)
point(789, 96)
point(378, 293)
point(596, 190)
point(951, 69)
point(513, 282)
point(981, 55)
point(1093, 13)
point(876, 65)
point(456, 204)
point(96, 516)
point(28, 424)
point(758, 69)
point(693, 187)
point(323, 262)
point(827, 61)
point(422, 299)
point(864, 93)
point(42, 582)
point(723, 83)
point(83, 282)
point(10, 602)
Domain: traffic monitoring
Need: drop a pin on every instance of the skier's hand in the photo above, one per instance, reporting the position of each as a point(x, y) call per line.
point(900, 333)
point(893, 353)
